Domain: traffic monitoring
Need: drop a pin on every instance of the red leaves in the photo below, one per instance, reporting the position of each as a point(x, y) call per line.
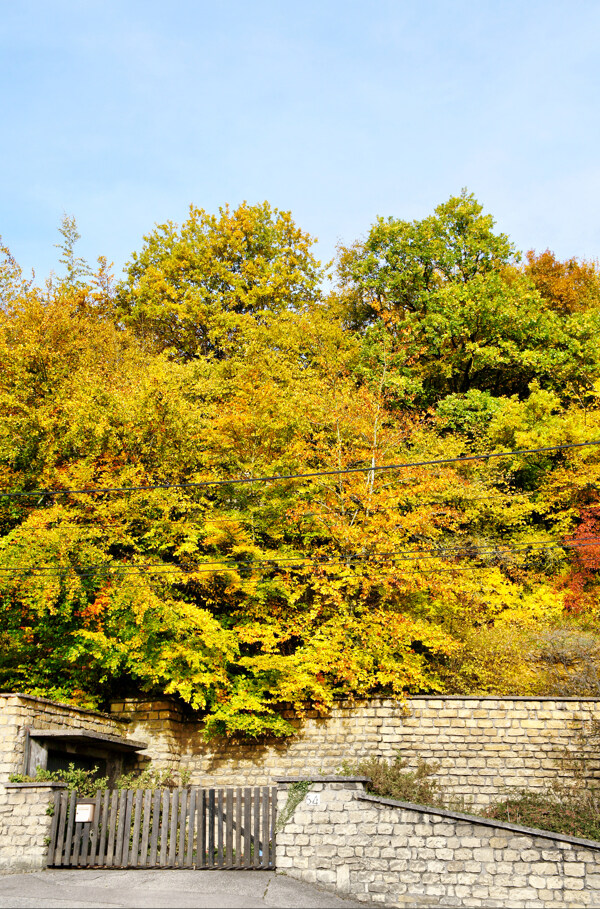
point(585, 544)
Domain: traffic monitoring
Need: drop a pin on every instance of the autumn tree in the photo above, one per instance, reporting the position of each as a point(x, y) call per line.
point(184, 572)
point(569, 286)
point(459, 311)
point(192, 287)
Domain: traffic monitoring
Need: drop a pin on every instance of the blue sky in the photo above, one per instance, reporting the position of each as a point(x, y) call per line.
point(122, 113)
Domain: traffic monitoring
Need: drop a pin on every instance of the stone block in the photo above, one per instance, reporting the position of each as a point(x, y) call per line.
point(544, 868)
point(325, 876)
point(573, 869)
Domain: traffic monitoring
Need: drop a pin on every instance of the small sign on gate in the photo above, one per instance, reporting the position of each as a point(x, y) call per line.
point(84, 811)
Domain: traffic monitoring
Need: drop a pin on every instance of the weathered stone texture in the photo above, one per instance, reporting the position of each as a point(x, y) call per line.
point(378, 851)
point(25, 826)
point(19, 711)
point(482, 745)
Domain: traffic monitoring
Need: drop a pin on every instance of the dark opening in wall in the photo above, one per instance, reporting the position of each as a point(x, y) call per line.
point(60, 760)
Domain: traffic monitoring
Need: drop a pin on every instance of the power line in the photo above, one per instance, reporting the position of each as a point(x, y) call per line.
point(432, 569)
point(265, 559)
point(359, 508)
point(295, 476)
point(422, 554)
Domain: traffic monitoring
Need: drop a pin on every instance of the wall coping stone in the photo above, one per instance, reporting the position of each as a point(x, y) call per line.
point(322, 779)
point(31, 697)
point(43, 784)
point(403, 702)
point(483, 821)
point(489, 697)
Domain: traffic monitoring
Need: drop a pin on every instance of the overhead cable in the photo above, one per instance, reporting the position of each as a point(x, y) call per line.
point(295, 476)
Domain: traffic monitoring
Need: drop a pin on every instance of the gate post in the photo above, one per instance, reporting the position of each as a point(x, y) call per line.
point(26, 822)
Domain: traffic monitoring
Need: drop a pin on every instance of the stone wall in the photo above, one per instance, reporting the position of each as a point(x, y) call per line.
point(482, 745)
point(19, 711)
point(25, 825)
point(378, 850)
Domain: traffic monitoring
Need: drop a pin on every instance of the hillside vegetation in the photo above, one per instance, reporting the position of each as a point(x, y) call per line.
point(219, 355)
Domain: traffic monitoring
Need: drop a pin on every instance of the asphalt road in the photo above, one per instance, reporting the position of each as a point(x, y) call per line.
point(100, 889)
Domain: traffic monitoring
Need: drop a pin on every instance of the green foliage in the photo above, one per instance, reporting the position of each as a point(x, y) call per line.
point(448, 290)
point(217, 357)
point(296, 793)
point(192, 289)
point(568, 808)
point(153, 779)
point(573, 810)
point(85, 782)
point(391, 780)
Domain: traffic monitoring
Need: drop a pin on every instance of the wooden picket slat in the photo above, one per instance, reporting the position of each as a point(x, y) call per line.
point(112, 828)
point(220, 828)
point(264, 858)
point(61, 830)
point(53, 827)
point(119, 840)
point(201, 830)
point(273, 824)
point(93, 844)
point(238, 827)
point(256, 838)
point(229, 828)
point(182, 825)
point(247, 827)
point(103, 830)
point(210, 858)
point(155, 827)
point(173, 829)
point(77, 831)
point(85, 844)
point(164, 828)
point(146, 828)
point(127, 828)
point(189, 858)
point(70, 826)
point(135, 836)
point(185, 828)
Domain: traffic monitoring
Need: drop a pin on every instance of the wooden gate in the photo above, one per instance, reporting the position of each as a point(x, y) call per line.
point(183, 828)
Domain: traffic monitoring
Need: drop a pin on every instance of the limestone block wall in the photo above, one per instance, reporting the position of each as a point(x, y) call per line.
point(18, 711)
point(164, 728)
point(482, 745)
point(25, 825)
point(377, 850)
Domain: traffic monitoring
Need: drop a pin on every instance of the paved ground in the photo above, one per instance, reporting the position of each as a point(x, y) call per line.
point(162, 889)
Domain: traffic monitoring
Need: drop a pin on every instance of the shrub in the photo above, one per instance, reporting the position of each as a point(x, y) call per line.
point(87, 783)
point(153, 779)
point(391, 779)
point(573, 810)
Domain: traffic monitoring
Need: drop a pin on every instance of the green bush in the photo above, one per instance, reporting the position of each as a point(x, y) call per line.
point(154, 779)
point(391, 779)
point(573, 810)
point(87, 782)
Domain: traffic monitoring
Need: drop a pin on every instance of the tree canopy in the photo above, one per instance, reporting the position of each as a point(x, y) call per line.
point(192, 288)
point(221, 357)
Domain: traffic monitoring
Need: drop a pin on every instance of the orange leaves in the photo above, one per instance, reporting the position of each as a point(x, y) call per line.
point(582, 592)
point(568, 286)
point(92, 614)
